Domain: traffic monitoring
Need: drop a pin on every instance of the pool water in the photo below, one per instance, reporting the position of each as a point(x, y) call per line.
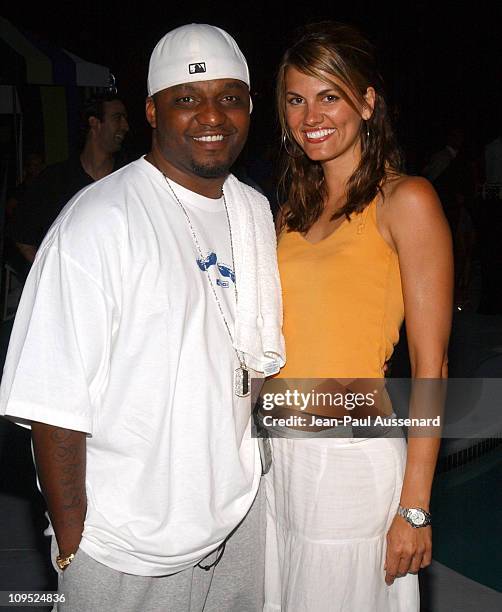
point(466, 506)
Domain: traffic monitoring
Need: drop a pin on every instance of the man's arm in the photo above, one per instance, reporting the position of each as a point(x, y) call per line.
point(60, 456)
point(28, 251)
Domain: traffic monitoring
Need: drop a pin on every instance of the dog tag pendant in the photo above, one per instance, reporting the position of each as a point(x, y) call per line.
point(241, 382)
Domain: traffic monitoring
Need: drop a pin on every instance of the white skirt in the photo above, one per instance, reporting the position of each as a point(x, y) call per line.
point(330, 503)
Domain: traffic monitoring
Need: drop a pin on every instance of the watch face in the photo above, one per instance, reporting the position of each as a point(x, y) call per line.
point(417, 517)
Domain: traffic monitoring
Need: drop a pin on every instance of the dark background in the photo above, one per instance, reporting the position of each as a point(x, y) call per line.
point(441, 61)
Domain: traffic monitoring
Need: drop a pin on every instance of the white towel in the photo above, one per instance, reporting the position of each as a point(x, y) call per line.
point(258, 318)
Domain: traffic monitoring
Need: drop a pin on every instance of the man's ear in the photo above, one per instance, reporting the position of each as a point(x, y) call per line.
point(369, 99)
point(150, 111)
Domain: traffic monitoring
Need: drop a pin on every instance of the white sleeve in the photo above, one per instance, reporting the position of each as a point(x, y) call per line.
point(59, 352)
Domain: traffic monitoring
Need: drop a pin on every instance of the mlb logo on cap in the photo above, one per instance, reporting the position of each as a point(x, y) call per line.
point(197, 68)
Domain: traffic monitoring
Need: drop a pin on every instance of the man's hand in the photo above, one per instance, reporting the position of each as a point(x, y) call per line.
point(60, 459)
point(28, 251)
point(408, 549)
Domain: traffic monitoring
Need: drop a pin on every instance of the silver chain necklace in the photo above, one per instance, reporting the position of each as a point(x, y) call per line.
point(241, 374)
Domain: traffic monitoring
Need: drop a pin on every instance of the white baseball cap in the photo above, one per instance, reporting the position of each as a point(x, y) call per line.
point(195, 52)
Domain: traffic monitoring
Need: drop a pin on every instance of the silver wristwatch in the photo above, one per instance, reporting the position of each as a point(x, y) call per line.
point(416, 517)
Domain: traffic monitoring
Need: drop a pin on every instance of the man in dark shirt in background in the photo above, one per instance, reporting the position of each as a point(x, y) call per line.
point(104, 119)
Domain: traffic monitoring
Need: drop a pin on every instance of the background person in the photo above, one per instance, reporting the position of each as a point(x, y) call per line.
point(491, 226)
point(451, 173)
point(105, 126)
point(33, 165)
point(361, 246)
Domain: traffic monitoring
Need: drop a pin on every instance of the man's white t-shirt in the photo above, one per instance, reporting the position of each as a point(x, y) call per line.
point(118, 334)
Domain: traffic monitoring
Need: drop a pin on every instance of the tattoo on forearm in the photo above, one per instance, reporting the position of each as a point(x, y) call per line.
point(74, 500)
point(73, 520)
point(71, 472)
point(71, 492)
point(60, 434)
point(65, 453)
point(64, 450)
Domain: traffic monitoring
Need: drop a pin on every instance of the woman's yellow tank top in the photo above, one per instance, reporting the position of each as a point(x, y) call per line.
point(343, 302)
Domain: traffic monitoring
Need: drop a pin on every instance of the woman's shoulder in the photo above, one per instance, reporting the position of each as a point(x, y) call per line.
point(404, 186)
point(410, 207)
point(405, 195)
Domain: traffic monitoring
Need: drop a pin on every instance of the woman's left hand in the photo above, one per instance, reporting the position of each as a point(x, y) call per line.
point(408, 549)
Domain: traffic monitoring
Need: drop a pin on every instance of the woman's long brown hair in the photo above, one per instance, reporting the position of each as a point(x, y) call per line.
point(340, 51)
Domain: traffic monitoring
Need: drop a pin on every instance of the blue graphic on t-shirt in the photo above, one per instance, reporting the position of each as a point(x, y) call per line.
point(226, 271)
point(205, 264)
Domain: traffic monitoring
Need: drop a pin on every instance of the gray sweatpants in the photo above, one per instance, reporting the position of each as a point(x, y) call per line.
point(234, 585)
